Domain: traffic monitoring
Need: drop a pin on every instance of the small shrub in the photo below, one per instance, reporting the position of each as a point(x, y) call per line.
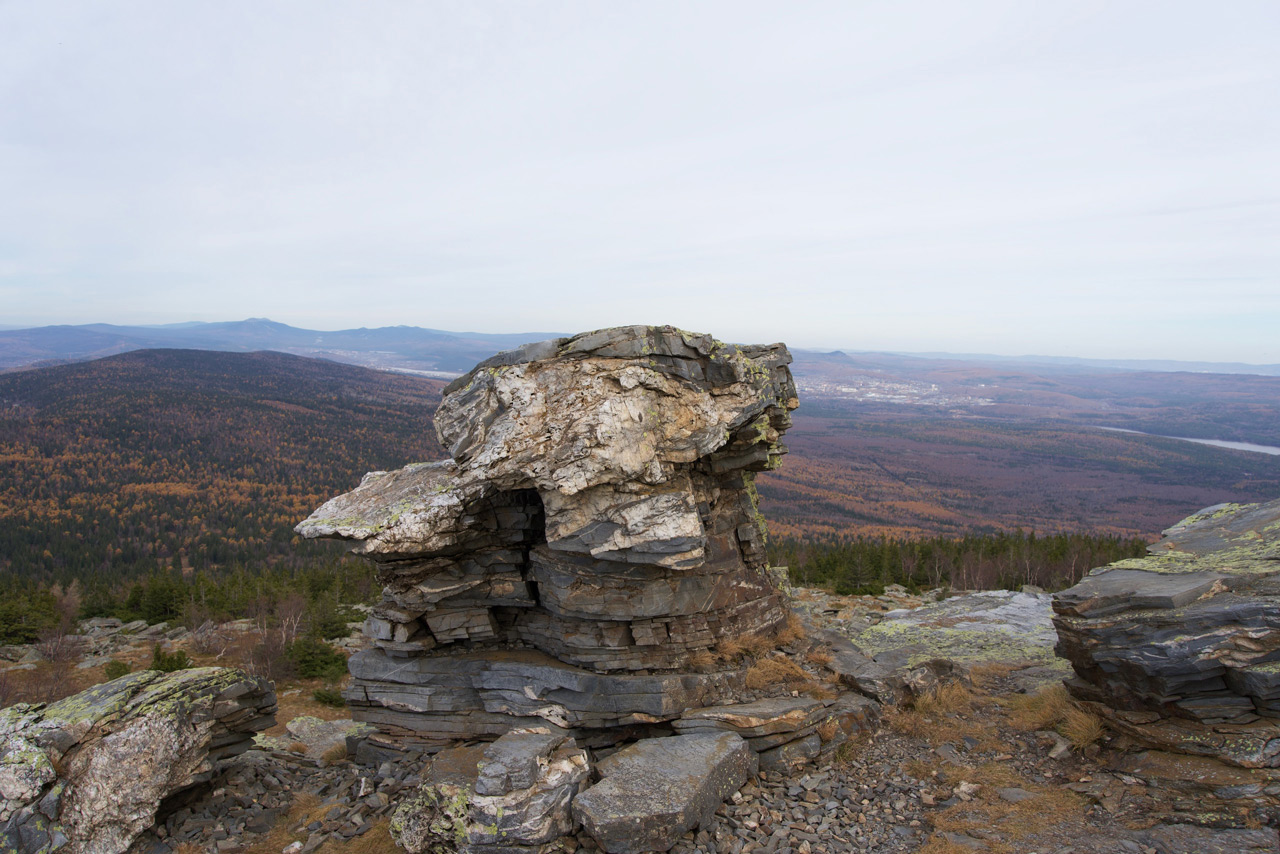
point(168, 662)
point(330, 697)
point(115, 669)
point(316, 659)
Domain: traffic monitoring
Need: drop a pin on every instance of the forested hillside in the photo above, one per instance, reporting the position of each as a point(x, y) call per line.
point(190, 459)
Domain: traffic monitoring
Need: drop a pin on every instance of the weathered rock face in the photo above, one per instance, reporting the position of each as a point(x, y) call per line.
point(595, 530)
point(1181, 649)
point(86, 774)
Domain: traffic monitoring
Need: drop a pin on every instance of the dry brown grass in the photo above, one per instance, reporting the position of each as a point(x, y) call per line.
point(1014, 822)
point(376, 841)
point(828, 730)
point(774, 671)
point(1041, 710)
point(987, 675)
point(951, 698)
point(702, 661)
point(945, 715)
point(730, 649)
point(1053, 708)
point(819, 658)
point(333, 754)
point(188, 848)
point(1082, 728)
point(791, 630)
point(305, 806)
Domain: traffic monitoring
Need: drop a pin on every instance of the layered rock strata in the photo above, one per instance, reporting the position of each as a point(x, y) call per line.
point(86, 774)
point(1181, 649)
point(594, 535)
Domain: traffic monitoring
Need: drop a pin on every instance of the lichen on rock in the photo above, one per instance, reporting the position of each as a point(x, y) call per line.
point(86, 774)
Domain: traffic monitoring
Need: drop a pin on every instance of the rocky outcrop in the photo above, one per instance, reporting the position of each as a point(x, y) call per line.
point(86, 774)
point(593, 536)
point(1181, 649)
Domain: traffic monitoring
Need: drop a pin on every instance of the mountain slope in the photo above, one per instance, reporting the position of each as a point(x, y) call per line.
point(191, 458)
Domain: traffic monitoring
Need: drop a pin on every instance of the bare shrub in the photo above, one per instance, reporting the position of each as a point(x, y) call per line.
point(209, 639)
point(57, 646)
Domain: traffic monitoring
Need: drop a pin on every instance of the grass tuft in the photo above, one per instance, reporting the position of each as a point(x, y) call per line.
point(773, 671)
point(1053, 708)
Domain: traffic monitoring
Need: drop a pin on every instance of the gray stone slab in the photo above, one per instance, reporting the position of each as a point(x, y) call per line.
point(655, 790)
point(1119, 590)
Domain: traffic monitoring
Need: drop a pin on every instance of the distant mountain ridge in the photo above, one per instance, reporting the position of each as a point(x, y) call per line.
point(406, 348)
point(440, 352)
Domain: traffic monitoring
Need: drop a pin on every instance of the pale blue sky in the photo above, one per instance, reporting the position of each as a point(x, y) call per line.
point(1084, 179)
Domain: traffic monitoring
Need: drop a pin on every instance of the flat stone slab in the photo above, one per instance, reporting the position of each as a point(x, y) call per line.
point(655, 790)
point(1119, 590)
point(975, 628)
point(763, 717)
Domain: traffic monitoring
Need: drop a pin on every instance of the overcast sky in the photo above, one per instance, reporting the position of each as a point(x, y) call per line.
point(1066, 178)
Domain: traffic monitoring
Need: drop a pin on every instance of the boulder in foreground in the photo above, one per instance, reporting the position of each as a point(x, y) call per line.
point(655, 790)
point(87, 773)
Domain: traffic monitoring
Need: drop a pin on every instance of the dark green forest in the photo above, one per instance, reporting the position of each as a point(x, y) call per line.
point(860, 565)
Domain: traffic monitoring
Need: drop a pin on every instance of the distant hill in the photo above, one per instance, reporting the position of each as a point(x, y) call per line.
point(416, 349)
point(191, 458)
point(397, 347)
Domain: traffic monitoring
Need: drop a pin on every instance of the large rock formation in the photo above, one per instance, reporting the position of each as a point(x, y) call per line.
point(1181, 649)
point(86, 775)
point(594, 536)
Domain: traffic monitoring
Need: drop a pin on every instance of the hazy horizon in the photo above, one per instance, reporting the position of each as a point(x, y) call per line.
point(532, 335)
point(1089, 180)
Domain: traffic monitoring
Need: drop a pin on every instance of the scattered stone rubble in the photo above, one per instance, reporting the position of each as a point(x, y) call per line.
point(89, 772)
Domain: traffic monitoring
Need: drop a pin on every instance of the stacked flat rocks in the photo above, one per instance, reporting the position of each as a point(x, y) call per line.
point(88, 773)
point(1180, 649)
point(593, 537)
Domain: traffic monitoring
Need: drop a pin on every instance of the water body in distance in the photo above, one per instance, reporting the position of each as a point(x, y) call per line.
point(1217, 443)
